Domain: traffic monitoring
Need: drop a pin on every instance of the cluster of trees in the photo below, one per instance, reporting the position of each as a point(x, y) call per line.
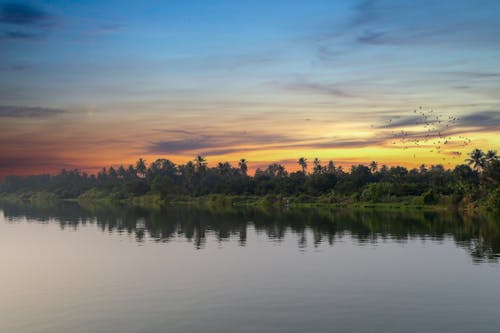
point(475, 180)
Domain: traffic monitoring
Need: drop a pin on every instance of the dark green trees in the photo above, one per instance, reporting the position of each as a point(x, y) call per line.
point(196, 177)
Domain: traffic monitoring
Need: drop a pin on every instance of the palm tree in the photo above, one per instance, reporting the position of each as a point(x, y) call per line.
point(303, 163)
point(281, 171)
point(201, 163)
point(122, 173)
point(331, 167)
point(140, 167)
point(477, 159)
point(112, 173)
point(491, 155)
point(317, 166)
point(131, 172)
point(223, 168)
point(243, 166)
point(373, 166)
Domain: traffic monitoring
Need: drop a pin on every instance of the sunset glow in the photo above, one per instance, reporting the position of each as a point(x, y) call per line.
point(89, 84)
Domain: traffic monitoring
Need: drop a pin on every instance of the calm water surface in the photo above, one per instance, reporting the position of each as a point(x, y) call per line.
point(115, 269)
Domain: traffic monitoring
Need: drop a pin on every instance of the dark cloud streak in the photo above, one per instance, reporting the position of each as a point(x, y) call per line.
point(19, 14)
point(19, 35)
point(28, 112)
point(318, 88)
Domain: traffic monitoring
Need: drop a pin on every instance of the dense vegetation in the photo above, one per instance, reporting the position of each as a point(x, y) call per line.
point(474, 183)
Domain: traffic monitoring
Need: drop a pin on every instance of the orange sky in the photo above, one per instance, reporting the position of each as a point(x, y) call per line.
point(92, 84)
point(91, 140)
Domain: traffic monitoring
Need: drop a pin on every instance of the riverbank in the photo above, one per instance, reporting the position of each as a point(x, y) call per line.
point(268, 201)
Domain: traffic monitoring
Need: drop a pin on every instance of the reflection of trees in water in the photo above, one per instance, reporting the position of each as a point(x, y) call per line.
point(480, 237)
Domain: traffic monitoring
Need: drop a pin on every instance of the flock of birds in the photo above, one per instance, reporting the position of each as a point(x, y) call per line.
point(431, 131)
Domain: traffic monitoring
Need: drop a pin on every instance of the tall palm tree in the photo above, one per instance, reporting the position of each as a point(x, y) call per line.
point(140, 167)
point(331, 167)
point(303, 163)
point(122, 173)
point(201, 163)
point(317, 166)
point(281, 171)
point(131, 173)
point(476, 159)
point(243, 166)
point(491, 155)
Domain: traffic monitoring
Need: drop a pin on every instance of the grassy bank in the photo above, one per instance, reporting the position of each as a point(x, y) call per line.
point(96, 197)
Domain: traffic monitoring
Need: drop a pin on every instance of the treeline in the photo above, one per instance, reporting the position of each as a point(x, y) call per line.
point(476, 181)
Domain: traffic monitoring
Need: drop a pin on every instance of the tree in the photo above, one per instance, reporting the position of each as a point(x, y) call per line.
point(122, 173)
point(491, 156)
point(140, 168)
point(492, 172)
point(303, 164)
point(331, 167)
point(223, 168)
point(476, 159)
point(201, 163)
point(373, 166)
point(317, 166)
point(243, 166)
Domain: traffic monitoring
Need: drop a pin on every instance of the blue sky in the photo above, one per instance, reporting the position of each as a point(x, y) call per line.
point(173, 65)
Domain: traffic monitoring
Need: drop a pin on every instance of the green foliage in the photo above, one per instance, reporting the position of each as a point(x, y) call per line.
point(429, 198)
point(493, 201)
point(274, 185)
point(376, 192)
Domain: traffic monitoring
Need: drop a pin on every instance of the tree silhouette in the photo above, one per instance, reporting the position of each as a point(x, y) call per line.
point(243, 166)
point(491, 155)
point(303, 164)
point(317, 166)
point(476, 159)
point(140, 168)
point(328, 184)
point(201, 163)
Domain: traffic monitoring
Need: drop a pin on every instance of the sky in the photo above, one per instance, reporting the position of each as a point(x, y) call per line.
point(87, 84)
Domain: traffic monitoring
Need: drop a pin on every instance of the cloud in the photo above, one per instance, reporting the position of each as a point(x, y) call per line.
point(20, 67)
point(215, 144)
point(346, 143)
point(371, 37)
point(485, 119)
point(20, 14)
point(472, 75)
point(24, 22)
point(229, 143)
point(28, 112)
point(365, 12)
point(19, 35)
point(401, 121)
point(388, 22)
point(318, 88)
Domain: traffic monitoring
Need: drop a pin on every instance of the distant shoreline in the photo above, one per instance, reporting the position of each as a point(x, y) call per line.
point(249, 201)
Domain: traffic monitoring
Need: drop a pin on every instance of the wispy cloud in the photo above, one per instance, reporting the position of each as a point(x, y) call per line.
point(316, 88)
point(19, 35)
point(213, 144)
point(486, 120)
point(20, 14)
point(28, 112)
point(229, 143)
point(24, 22)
